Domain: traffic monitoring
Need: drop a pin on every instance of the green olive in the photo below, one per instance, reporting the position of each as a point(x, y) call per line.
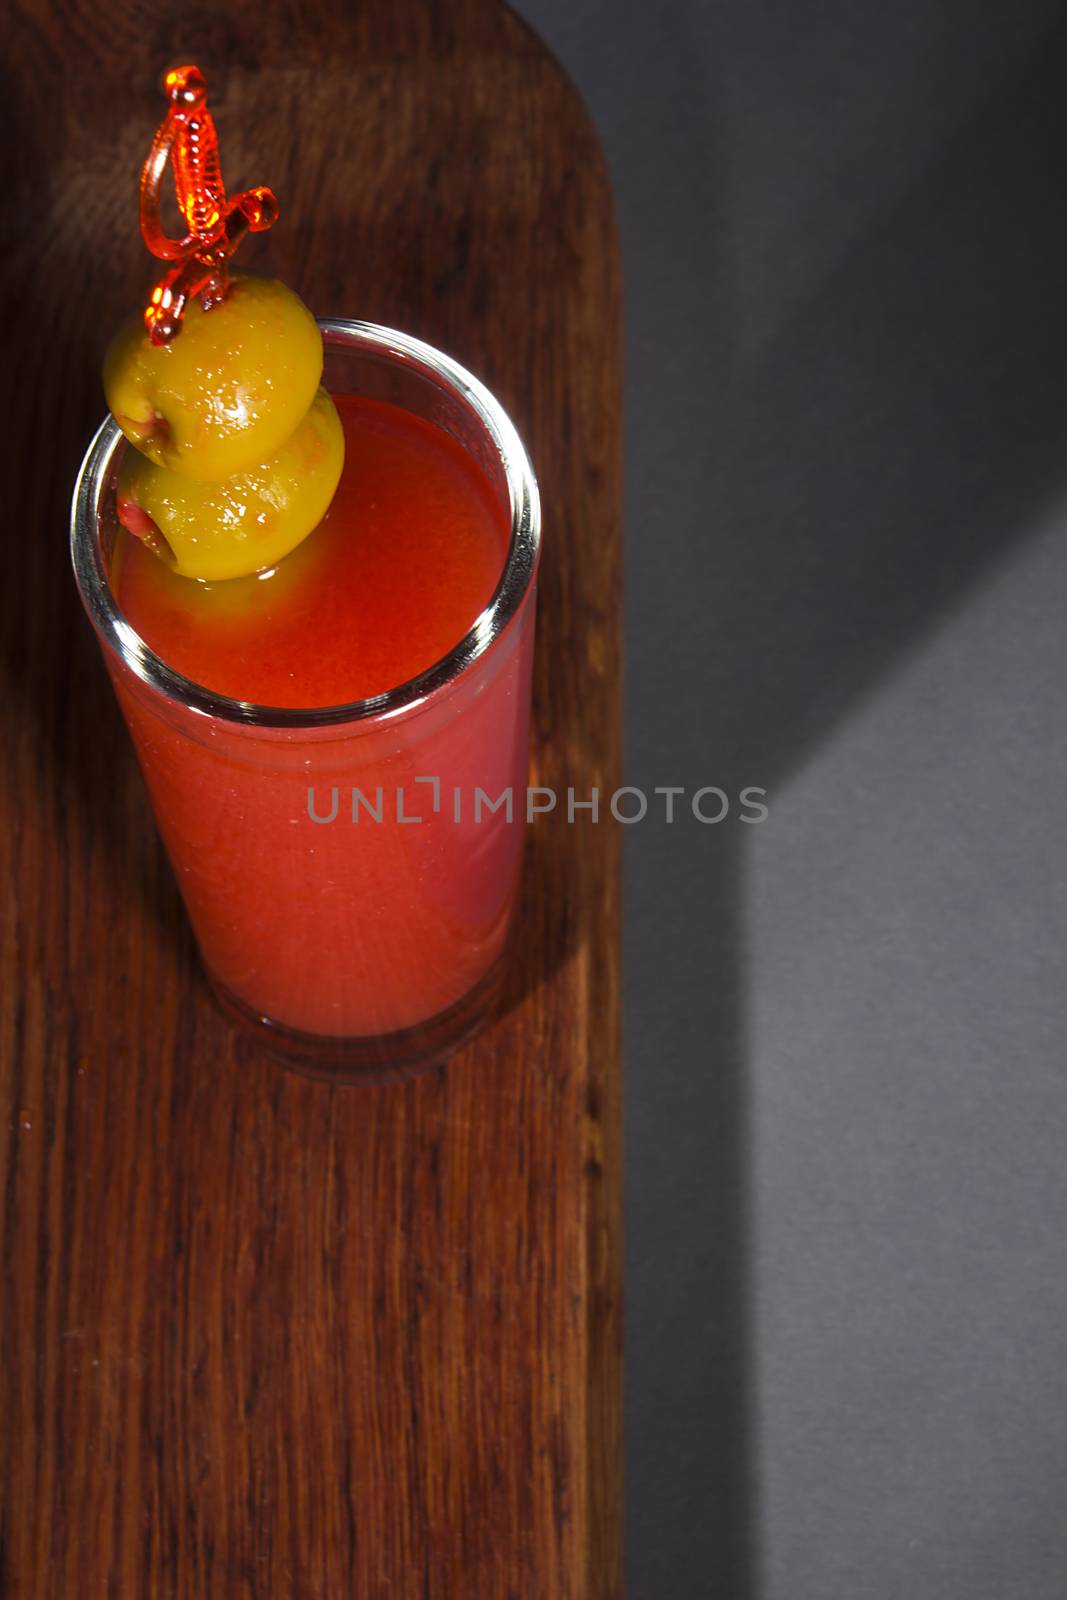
point(228, 391)
point(250, 520)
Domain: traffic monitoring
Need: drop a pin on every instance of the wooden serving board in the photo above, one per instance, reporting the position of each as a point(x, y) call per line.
point(262, 1337)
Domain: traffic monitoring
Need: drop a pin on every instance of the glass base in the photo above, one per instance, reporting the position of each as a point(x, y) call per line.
point(382, 1058)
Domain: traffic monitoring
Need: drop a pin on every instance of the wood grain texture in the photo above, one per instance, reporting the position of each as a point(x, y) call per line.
point(263, 1337)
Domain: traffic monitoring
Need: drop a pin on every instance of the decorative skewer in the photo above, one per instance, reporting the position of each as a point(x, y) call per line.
point(187, 140)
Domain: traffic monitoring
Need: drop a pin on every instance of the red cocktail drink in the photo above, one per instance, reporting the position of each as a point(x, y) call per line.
point(336, 751)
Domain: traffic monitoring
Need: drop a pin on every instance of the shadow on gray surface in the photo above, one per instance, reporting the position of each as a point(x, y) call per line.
point(882, 449)
point(896, 434)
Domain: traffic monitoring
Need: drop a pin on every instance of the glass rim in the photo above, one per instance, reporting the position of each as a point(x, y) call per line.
point(520, 564)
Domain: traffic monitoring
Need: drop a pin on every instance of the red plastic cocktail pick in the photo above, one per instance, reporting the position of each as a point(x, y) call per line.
point(187, 139)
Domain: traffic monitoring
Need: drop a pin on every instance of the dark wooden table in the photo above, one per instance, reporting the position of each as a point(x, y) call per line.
point(263, 1337)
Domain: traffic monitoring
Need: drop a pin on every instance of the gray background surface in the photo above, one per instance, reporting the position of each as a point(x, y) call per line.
point(846, 546)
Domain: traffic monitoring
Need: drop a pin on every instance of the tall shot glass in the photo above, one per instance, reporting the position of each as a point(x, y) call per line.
point(352, 939)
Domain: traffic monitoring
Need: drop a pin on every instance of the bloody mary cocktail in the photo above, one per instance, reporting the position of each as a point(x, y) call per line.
point(327, 743)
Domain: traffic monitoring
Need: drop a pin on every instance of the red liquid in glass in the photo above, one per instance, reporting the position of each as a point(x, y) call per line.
point(339, 927)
